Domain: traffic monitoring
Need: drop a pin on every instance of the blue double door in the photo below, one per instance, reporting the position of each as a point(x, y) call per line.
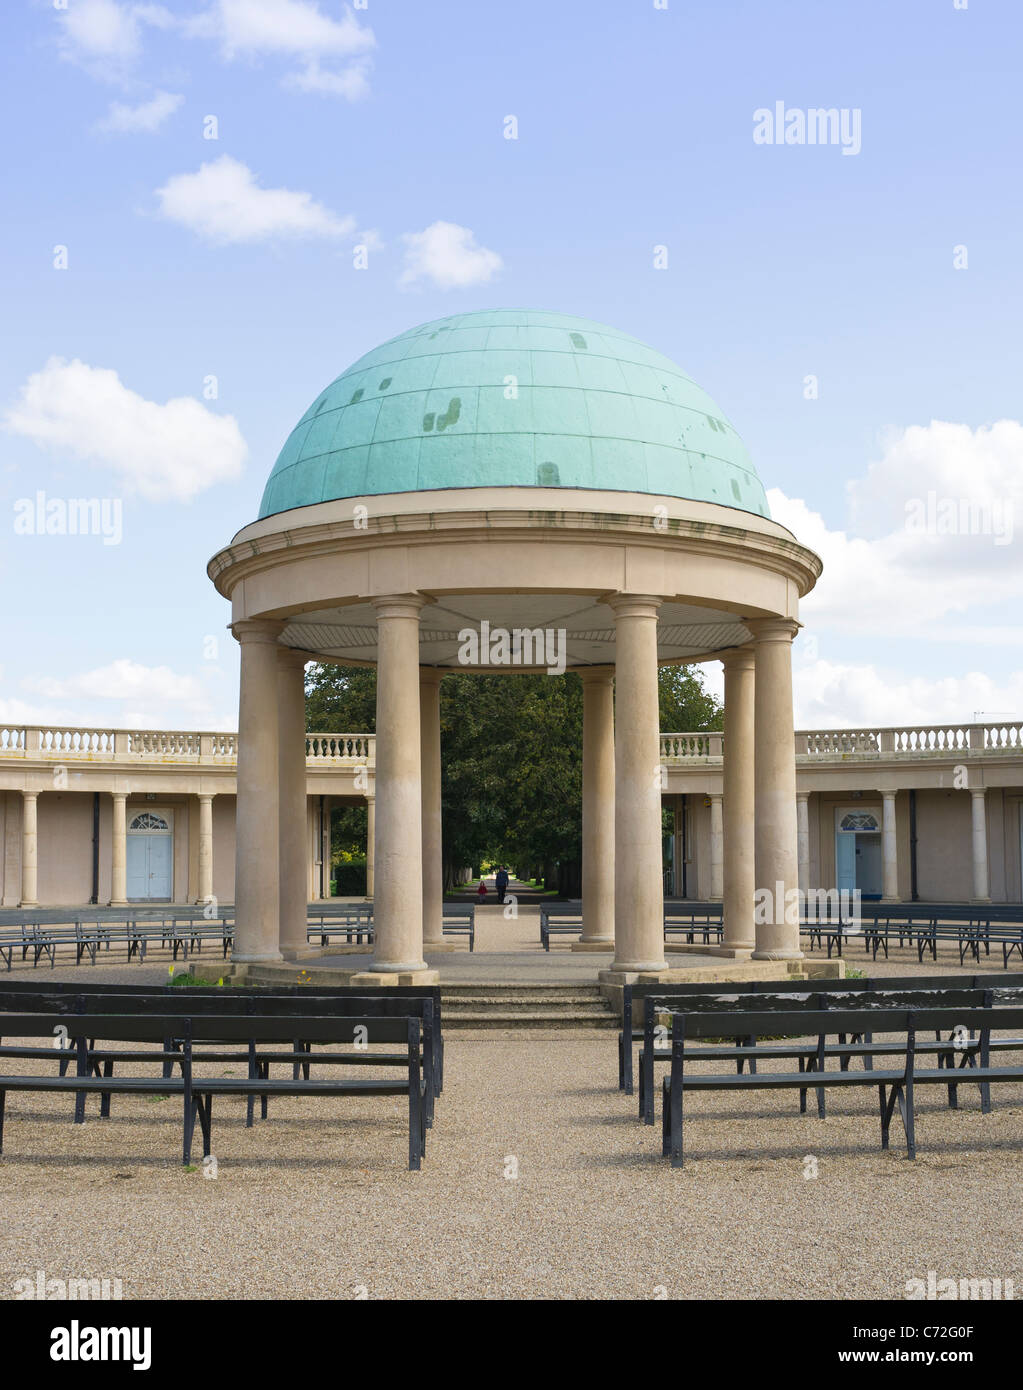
point(149, 866)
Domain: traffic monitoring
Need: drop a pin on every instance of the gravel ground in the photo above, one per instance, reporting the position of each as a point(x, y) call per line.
point(539, 1182)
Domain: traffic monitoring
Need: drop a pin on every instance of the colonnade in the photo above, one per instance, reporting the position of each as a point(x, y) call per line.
point(754, 825)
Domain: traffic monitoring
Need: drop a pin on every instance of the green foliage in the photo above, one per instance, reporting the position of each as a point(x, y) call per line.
point(511, 749)
point(685, 707)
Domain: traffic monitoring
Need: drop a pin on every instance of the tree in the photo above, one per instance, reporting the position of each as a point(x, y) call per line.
point(511, 756)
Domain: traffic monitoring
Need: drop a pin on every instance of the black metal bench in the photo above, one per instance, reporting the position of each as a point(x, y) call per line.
point(747, 1049)
point(895, 1085)
point(633, 1031)
point(197, 1092)
point(222, 1003)
point(22, 996)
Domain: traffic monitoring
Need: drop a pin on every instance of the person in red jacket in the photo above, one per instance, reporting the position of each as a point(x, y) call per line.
point(481, 891)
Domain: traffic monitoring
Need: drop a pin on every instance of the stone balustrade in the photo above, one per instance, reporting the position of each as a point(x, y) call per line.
point(168, 746)
point(842, 745)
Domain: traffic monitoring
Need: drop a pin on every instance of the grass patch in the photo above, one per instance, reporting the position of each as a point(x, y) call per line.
point(194, 982)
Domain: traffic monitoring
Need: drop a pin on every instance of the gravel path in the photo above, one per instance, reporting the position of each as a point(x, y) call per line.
point(539, 1182)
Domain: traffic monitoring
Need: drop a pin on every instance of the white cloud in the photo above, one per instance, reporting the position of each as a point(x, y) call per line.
point(223, 203)
point(830, 695)
point(105, 35)
point(174, 451)
point(154, 697)
point(448, 256)
point(147, 117)
point(296, 29)
point(351, 82)
point(983, 467)
point(122, 679)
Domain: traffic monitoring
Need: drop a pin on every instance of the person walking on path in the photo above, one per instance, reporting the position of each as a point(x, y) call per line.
point(501, 882)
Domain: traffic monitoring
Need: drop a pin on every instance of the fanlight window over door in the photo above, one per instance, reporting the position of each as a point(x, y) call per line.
point(859, 820)
point(148, 821)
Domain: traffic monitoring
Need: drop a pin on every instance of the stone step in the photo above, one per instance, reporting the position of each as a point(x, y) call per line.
point(541, 1020)
point(505, 987)
point(518, 1003)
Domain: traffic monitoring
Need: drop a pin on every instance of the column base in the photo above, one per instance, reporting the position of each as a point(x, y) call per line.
point(777, 955)
point(256, 959)
point(639, 967)
point(605, 944)
point(892, 899)
point(300, 952)
point(981, 902)
point(386, 979)
point(118, 902)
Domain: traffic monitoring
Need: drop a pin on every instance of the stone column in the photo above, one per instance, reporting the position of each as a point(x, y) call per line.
point(776, 839)
point(433, 864)
point(257, 847)
point(598, 808)
point(293, 847)
point(803, 838)
point(717, 876)
point(889, 850)
point(981, 892)
point(205, 848)
point(739, 814)
point(639, 888)
point(29, 851)
point(398, 911)
point(119, 852)
point(371, 816)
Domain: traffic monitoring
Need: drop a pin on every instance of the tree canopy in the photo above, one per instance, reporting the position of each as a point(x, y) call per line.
point(511, 749)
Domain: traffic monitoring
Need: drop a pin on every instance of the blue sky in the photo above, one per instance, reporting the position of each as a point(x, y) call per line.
point(383, 126)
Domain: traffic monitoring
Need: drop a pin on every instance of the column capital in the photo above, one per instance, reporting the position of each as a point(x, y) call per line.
point(978, 793)
point(772, 629)
point(738, 658)
point(595, 675)
point(431, 675)
point(802, 796)
point(29, 796)
point(632, 605)
point(118, 796)
point(256, 630)
point(205, 796)
point(400, 605)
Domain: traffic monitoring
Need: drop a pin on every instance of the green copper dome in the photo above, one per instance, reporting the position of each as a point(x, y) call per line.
point(513, 398)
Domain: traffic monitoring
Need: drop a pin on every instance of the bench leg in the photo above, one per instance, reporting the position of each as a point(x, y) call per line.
point(204, 1109)
point(646, 1086)
point(665, 1125)
point(885, 1116)
point(675, 1105)
point(264, 1072)
point(416, 1130)
point(906, 1111)
point(802, 1093)
point(104, 1100)
point(3, 1104)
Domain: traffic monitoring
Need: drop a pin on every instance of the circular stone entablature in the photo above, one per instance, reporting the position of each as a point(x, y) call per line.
point(517, 469)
